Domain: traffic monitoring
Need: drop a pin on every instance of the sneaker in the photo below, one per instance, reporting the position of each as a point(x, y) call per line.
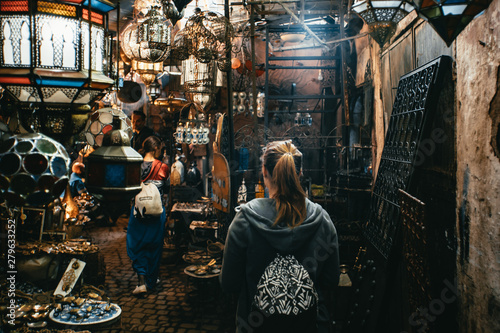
point(140, 290)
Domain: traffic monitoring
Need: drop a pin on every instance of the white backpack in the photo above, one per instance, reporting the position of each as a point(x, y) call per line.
point(148, 201)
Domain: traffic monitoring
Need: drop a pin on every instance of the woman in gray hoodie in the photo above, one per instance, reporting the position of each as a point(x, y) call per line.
point(285, 223)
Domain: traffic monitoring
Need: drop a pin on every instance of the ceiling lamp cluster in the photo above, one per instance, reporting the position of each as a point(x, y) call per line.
point(447, 17)
point(54, 59)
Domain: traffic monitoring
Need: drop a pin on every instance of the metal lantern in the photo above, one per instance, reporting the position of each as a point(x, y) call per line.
point(147, 42)
point(199, 81)
point(449, 17)
point(154, 90)
point(147, 39)
point(113, 171)
point(53, 55)
point(101, 122)
point(382, 16)
point(33, 169)
point(181, 46)
point(206, 36)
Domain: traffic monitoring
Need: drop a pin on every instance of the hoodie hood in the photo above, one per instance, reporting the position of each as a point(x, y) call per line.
point(261, 213)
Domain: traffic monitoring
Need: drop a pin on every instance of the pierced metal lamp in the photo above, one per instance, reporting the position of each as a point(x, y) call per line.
point(382, 16)
point(146, 41)
point(206, 36)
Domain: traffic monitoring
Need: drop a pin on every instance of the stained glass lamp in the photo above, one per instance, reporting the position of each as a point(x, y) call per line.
point(382, 17)
point(101, 122)
point(33, 169)
point(449, 17)
point(53, 55)
point(114, 171)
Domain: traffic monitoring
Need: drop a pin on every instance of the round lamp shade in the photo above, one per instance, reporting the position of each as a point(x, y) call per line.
point(33, 169)
point(101, 122)
point(235, 63)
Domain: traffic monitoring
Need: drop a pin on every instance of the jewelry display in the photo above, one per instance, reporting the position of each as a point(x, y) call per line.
point(70, 276)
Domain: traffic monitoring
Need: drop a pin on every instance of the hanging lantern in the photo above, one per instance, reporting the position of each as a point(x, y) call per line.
point(101, 122)
point(382, 17)
point(449, 17)
point(199, 81)
point(181, 46)
point(154, 90)
point(146, 41)
point(154, 36)
point(206, 36)
point(53, 56)
point(33, 169)
point(113, 171)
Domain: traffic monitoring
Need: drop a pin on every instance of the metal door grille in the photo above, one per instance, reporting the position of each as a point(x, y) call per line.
point(415, 98)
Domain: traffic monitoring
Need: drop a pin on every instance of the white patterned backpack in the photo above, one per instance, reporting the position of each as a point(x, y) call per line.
point(286, 297)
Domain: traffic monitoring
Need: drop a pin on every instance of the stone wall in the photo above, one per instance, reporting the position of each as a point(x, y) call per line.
point(478, 172)
point(476, 55)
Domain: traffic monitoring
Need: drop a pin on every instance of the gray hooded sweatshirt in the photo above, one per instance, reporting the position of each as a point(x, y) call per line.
point(253, 242)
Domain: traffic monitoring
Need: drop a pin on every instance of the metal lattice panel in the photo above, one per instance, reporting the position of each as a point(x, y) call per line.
point(11, 34)
point(57, 42)
point(97, 45)
point(24, 93)
point(88, 94)
point(48, 92)
point(415, 97)
point(415, 250)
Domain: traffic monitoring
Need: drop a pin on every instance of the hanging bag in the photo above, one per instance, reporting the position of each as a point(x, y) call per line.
point(148, 201)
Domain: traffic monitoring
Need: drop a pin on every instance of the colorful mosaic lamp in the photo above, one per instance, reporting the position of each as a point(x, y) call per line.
point(449, 17)
point(101, 122)
point(53, 58)
point(33, 169)
point(114, 170)
point(382, 17)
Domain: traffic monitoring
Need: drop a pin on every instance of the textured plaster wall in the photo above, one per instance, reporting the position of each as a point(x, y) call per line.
point(478, 172)
point(476, 54)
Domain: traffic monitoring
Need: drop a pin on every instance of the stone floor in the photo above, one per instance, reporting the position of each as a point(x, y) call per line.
point(180, 305)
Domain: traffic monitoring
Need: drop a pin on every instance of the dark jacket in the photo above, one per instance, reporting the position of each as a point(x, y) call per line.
point(138, 138)
point(252, 243)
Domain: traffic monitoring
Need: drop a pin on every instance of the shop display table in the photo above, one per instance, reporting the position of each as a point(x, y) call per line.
point(204, 282)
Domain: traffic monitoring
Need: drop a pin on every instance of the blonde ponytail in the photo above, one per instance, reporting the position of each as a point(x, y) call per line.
point(284, 162)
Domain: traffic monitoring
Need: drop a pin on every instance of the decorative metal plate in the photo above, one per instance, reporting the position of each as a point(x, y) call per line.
point(415, 97)
point(415, 250)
